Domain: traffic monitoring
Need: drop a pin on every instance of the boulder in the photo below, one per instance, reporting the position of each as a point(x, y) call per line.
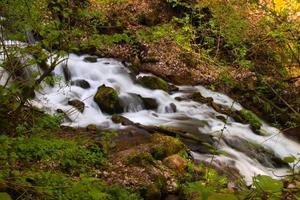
point(176, 163)
point(153, 82)
point(108, 100)
point(118, 119)
point(79, 105)
point(149, 103)
point(262, 155)
point(173, 106)
point(81, 83)
point(90, 59)
point(165, 146)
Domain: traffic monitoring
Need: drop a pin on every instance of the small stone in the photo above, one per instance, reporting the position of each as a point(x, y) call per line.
point(91, 128)
point(79, 105)
point(291, 186)
point(105, 173)
point(81, 83)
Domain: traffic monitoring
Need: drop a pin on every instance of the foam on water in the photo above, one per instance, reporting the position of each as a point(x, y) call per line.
point(189, 114)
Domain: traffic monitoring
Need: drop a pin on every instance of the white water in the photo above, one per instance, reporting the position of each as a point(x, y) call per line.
point(189, 114)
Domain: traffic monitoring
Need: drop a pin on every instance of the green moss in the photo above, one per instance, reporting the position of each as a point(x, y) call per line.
point(252, 119)
point(165, 146)
point(153, 82)
point(108, 100)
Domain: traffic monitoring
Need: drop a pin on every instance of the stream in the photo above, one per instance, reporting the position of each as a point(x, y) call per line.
point(237, 142)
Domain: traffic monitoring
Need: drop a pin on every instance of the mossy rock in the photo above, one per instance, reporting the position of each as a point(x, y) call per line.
point(165, 146)
point(176, 163)
point(90, 59)
point(153, 82)
point(197, 96)
point(108, 100)
point(252, 119)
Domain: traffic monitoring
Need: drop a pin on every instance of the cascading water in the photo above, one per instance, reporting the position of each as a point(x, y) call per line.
point(188, 115)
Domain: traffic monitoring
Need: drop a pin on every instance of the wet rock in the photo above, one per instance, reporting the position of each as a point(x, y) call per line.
point(130, 137)
point(90, 59)
point(199, 147)
point(79, 105)
point(119, 119)
point(182, 98)
point(108, 100)
point(91, 128)
point(243, 116)
point(197, 96)
point(81, 83)
point(173, 106)
point(150, 103)
point(222, 118)
point(263, 156)
point(153, 82)
point(176, 163)
point(131, 102)
point(173, 88)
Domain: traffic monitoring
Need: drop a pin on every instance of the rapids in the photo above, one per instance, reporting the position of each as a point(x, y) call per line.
point(190, 115)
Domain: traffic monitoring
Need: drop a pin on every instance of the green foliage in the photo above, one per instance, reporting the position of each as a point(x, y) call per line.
point(213, 187)
point(66, 155)
point(99, 41)
point(251, 118)
point(155, 33)
point(107, 144)
point(45, 185)
point(265, 185)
